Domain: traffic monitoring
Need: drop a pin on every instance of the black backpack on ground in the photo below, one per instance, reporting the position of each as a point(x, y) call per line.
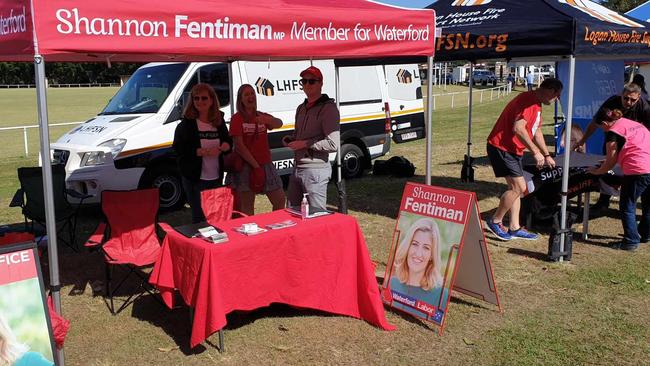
point(554, 252)
point(397, 166)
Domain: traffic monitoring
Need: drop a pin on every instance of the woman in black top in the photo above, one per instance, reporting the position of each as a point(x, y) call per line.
point(200, 140)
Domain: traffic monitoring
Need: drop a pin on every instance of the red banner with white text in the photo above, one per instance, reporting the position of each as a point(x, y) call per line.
point(80, 30)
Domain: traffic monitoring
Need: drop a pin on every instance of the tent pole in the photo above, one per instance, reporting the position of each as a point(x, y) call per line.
point(50, 220)
point(469, 111)
point(467, 171)
point(427, 177)
point(444, 75)
point(567, 151)
point(231, 86)
point(340, 183)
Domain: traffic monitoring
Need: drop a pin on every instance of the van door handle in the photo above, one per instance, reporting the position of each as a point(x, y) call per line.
point(401, 107)
point(383, 109)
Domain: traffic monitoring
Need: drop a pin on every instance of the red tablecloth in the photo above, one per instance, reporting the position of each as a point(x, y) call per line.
point(320, 263)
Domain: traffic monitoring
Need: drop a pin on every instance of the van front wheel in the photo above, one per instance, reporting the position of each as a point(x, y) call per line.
point(352, 161)
point(171, 189)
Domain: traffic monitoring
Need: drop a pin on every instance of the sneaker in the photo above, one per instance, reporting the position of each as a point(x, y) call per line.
point(522, 233)
point(625, 246)
point(498, 230)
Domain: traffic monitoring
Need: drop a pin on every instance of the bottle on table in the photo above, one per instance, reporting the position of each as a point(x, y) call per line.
point(304, 207)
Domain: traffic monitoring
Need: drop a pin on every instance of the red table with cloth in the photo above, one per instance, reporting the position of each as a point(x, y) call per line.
point(319, 263)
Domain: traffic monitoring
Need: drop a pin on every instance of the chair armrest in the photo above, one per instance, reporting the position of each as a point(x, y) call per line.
point(74, 194)
point(18, 200)
point(97, 238)
point(237, 214)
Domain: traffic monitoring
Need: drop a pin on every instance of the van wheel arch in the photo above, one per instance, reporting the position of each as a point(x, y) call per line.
point(167, 178)
point(354, 159)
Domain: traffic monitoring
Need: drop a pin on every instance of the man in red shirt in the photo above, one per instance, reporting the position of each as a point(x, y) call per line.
point(518, 129)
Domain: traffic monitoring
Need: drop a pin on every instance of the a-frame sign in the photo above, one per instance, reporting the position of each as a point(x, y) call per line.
point(438, 245)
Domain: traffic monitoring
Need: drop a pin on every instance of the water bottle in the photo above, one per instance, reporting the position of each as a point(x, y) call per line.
point(304, 207)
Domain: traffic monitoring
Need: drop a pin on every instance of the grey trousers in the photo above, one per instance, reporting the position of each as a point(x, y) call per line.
point(312, 181)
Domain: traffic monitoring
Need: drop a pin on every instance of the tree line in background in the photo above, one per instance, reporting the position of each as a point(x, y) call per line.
point(66, 72)
point(82, 73)
point(621, 6)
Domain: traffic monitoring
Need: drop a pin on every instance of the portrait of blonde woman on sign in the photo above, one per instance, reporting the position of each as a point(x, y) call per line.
point(14, 353)
point(418, 267)
point(248, 128)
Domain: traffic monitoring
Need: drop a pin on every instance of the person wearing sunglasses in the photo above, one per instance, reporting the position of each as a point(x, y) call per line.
point(628, 144)
point(200, 140)
point(316, 134)
point(633, 107)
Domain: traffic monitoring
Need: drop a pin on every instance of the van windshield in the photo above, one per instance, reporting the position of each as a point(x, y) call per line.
point(146, 90)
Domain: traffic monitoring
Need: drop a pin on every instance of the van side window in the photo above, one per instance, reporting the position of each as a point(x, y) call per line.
point(403, 82)
point(366, 79)
point(217, 76)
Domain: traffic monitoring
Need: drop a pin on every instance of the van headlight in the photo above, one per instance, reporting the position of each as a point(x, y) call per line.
point(102, 157)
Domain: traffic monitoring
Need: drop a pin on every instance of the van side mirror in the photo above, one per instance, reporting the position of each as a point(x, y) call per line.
point(177, 111)
point(175, 114)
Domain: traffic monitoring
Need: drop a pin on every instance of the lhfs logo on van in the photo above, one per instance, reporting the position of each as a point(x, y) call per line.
point(88, 129)
point(269, 88)
point(264, 87)
point(404, 76)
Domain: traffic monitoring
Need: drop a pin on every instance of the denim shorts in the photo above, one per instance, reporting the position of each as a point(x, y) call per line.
point(240, 181)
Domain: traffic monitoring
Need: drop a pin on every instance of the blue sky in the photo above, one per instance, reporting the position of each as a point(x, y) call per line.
point(416, 3)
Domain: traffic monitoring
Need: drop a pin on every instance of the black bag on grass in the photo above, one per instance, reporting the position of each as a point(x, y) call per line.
point(380, 167)
point(397, 166)
point(554, 252)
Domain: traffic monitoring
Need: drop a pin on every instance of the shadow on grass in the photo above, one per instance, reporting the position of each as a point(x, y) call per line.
point(476, 160)
point(595, 240)
point(381, 195)
point(175, 322)
point(528, 253)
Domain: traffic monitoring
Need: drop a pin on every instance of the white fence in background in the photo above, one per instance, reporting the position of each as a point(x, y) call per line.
point(497, 91)
point(86, 85)
point(25, 128)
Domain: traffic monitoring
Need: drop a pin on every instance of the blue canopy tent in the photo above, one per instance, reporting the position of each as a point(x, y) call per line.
point(475, 30)
point(641, 12)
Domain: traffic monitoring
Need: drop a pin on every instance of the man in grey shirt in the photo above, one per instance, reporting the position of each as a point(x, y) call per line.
point(316, 135)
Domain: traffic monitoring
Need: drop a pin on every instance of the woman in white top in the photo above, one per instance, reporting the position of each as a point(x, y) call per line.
point(200, 140)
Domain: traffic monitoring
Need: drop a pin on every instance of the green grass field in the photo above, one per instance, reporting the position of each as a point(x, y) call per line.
point(591, 311)
point(64, 105)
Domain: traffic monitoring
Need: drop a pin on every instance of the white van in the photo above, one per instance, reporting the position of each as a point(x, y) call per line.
point(128, 144)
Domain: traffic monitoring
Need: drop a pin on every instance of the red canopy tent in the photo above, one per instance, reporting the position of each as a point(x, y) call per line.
point(195, 30)
point(198, 30)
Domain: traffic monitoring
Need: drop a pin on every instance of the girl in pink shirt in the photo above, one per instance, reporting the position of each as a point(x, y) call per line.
point(628, 143)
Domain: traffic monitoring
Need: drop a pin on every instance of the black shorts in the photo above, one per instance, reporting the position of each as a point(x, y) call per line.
point(505, 164)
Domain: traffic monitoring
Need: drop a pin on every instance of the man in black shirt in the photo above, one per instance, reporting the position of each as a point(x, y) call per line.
point(634, 107)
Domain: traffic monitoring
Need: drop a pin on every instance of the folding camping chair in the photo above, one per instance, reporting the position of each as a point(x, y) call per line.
point(31, 199)
point(128, 239)
point(218, 204)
